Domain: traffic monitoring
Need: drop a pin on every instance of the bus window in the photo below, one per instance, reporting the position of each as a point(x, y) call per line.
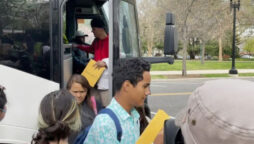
point(129, 46)
point(24, 36)
point(105, 8)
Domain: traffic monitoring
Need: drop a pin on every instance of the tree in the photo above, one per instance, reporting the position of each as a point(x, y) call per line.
point(183, 10)
point(212, 48)
point(249, 46)
point(206, 20)
point(150, 25)
point(193, 47)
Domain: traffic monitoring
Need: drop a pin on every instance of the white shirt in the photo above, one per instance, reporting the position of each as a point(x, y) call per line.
point(103, 83)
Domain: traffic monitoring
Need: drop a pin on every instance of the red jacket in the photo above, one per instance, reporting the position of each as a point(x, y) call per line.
point(99, 48)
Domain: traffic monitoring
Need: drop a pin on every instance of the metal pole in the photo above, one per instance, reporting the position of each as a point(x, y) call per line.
point(235, 6)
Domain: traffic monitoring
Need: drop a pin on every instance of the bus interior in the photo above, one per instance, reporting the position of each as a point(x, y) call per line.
point(77, 16)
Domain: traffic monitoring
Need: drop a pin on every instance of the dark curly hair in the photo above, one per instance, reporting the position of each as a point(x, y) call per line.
point(131, 69)
point(58, 116)
point(98, 22)
point(3, 99)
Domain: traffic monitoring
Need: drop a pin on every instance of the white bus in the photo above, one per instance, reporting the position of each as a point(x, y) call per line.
point(36, 57)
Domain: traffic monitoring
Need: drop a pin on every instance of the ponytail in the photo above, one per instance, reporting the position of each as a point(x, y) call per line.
point(59, 130)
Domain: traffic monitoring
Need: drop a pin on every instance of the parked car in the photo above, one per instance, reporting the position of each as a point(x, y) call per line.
point(181, 57)
point(247, 56)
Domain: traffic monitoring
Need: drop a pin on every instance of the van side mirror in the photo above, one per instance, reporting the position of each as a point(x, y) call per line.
point(170, 38)
point(170, 42)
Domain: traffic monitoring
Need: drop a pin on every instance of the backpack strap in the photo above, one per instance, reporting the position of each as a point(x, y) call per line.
point(82, 136)
point(116, 121)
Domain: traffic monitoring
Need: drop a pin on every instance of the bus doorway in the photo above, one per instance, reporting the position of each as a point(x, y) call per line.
point(76, 16)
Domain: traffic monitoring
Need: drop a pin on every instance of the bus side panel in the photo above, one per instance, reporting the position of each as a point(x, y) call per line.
point(24, 92)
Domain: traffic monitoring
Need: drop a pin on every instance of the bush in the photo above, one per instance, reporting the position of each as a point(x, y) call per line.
point(214, 57)
point(226, 57)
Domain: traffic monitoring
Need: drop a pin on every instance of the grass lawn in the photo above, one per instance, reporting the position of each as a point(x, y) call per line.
point(208, 65)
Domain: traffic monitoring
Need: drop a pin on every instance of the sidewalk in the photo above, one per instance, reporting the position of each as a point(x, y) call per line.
point(195, 72)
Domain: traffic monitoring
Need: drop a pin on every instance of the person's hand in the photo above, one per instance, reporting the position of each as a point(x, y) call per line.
point(159, 138)
point(100, 64)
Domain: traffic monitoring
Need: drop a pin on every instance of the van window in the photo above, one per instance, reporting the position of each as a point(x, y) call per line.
point(24, 36)
point(106, 9)
point(129, 46)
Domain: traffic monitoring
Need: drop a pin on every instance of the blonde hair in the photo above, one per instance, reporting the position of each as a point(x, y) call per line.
point(58, 116)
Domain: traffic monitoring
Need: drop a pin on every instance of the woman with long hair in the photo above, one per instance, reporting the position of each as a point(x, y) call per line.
point(58, 118)
point(79, 87)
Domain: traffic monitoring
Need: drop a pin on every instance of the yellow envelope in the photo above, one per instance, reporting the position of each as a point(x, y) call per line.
point(91, 73)
point(154, 127)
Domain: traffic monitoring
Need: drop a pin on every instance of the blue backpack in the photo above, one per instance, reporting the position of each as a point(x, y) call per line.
point(82, 136)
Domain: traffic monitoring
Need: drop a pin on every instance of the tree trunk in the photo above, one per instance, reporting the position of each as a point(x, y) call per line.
point(184, 72)
point(220, 44)
point(149, 49)
point(150, 43)
point(220, 49)
point(203, 53)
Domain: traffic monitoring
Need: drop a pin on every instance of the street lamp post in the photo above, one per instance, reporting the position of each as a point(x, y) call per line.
point(235, 5)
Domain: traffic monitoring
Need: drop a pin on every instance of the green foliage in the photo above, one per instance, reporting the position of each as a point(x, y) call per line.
point(180, 46)
point(196, 65)
point(249, 46)
point(244, 59)
point(212, 48)
point(144, 46)
point(227, 44)
point(193, 48)
point(246, 74)
point(159, 45)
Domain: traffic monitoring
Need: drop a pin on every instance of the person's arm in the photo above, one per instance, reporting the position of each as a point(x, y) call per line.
point(103, 63)
point(78, 60)
point(86, 48)
point(103, 131)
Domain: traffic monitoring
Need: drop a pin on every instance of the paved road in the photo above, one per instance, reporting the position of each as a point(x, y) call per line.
point(172, 95)
point(200, 72)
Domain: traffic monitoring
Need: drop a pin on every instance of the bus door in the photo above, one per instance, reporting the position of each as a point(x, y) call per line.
point(124, 42)
point(61, 47)
point(66, 48)
point(72, 15)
